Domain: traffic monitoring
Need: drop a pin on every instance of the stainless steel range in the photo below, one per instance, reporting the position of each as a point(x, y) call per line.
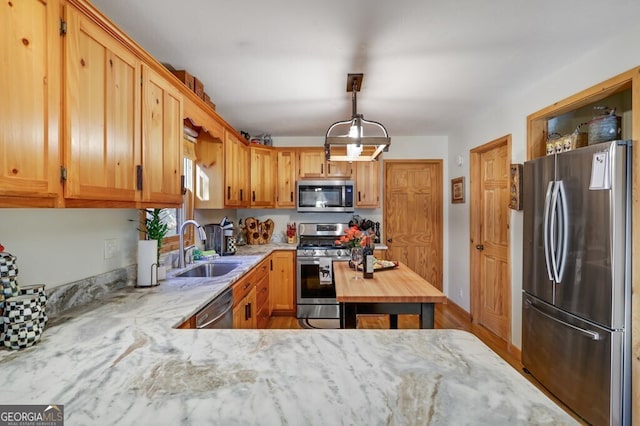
point(316, 290)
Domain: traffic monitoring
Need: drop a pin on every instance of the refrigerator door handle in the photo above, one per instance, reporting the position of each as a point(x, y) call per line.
point(545, 232)
point(563, 227)
point(592, 334)
point(553, 229)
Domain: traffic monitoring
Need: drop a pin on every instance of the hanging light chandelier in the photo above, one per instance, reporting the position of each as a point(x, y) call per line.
point(355, 139)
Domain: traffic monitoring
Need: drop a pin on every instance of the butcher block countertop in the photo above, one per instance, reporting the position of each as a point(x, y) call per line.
point(398, 285)
point(123, 363)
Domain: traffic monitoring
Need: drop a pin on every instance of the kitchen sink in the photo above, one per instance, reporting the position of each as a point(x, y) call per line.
point(215, 269)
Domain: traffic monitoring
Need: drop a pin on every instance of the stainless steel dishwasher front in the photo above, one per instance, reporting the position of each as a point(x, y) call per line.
point(218, 313)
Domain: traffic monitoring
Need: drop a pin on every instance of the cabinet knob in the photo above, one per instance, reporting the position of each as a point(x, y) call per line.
point(479, 247)
point(389, 240)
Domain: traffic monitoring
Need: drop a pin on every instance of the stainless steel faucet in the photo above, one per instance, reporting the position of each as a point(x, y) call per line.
point(181, 250)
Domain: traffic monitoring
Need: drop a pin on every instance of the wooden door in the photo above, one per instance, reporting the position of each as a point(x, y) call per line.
point(282, 292)
point(367, 178)
point(286, 163)
point(30, 100)
point(102, 97)
point(490, 269)
point(162, 129)
point(413, 215)
point(311, 163)
point(263, 176)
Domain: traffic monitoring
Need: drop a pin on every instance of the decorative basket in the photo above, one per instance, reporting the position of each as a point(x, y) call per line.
point(605, 127)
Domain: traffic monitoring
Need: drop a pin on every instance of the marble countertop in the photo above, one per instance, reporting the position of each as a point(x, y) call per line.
point(122, 362)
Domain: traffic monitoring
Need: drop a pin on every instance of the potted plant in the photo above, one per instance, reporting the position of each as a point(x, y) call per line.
point(155, 228)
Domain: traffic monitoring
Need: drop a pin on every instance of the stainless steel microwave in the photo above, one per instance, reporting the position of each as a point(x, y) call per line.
point(325, 195)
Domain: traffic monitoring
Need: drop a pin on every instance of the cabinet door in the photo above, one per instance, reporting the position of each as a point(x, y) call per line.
point(367, 184)
point(286, 161)
point(282, 283)
point(263, 176)
point(339, 169)
point(311, 163)
point(209, 173)
point(102, 97)
point(244, 314)
point(236, 172)
point(162, 128)
point(30, 99)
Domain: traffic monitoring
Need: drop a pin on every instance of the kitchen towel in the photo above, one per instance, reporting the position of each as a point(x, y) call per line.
point(325, 270)
point(147, 265)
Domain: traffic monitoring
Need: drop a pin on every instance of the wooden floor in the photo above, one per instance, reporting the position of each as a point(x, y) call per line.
point(447, 316)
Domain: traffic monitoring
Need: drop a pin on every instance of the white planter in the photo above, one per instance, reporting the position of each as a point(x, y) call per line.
point(147, 266)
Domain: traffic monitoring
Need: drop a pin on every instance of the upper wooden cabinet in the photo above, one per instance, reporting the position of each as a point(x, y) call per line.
point(286, 164)
point(102, 99)
point(162, 128)
point(30, 103)
point(263, 176)
point(312, 164)
point(236, 172)
point(367, 179)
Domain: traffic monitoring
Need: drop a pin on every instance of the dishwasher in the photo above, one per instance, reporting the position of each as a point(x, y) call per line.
point(218, 313)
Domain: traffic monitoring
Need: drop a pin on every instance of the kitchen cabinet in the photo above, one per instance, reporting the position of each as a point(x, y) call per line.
point(30, 103)
point(286, 165)
point(312, 164)
point(367, 178)
point(236, 172)
point(282, 282)
point(263, 176)
point(124, 140)
point(102, 98)
point(262, 301)
point(162, 129)
point(244, 315)
point(250, 298)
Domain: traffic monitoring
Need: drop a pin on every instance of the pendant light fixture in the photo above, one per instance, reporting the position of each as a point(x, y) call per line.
point(355, 139)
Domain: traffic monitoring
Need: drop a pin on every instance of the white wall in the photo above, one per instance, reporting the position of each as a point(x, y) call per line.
point(509, 116)
point(59, 246)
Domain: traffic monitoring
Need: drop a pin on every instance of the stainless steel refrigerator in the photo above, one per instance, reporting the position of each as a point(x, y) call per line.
point(576, 310)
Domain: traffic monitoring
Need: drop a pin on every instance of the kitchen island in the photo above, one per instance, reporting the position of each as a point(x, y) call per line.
point(396, 291)
point(123, 363)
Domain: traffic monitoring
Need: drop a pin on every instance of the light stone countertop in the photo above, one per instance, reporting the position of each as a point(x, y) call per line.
point(123, 363)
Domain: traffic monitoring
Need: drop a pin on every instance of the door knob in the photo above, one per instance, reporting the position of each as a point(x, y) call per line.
point(480, 247)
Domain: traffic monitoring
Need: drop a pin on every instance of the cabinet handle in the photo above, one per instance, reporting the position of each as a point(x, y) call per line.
point(253, 196)
point(264, 289)
point(228, 192)
point(246, 312)
point(321, 168)
point(292, 196)
point(139, 177)
point(241, 195)
point(359, 196)
point(246, 286)
point(249, 305)
point(271, 264)
point(329, 168)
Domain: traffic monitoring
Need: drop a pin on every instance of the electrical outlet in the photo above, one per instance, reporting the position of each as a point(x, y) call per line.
point(110, 248)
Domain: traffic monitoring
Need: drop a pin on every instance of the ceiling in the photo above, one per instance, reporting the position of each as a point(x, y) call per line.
point(280, 66)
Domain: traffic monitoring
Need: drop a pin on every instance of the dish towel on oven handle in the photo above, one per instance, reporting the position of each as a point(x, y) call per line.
point(325, 270)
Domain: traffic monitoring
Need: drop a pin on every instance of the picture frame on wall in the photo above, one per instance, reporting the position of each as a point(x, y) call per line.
point(515, 187)
point(457, 190)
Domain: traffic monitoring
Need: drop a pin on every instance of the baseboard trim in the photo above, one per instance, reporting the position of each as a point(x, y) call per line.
point(458, 311)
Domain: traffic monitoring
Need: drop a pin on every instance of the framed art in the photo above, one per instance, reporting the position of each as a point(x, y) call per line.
point(515, 187)
point(457, 190)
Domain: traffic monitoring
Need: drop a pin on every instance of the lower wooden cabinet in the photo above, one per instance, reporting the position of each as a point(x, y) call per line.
point(250, 297)
point(244, 313)
point(282, 285)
